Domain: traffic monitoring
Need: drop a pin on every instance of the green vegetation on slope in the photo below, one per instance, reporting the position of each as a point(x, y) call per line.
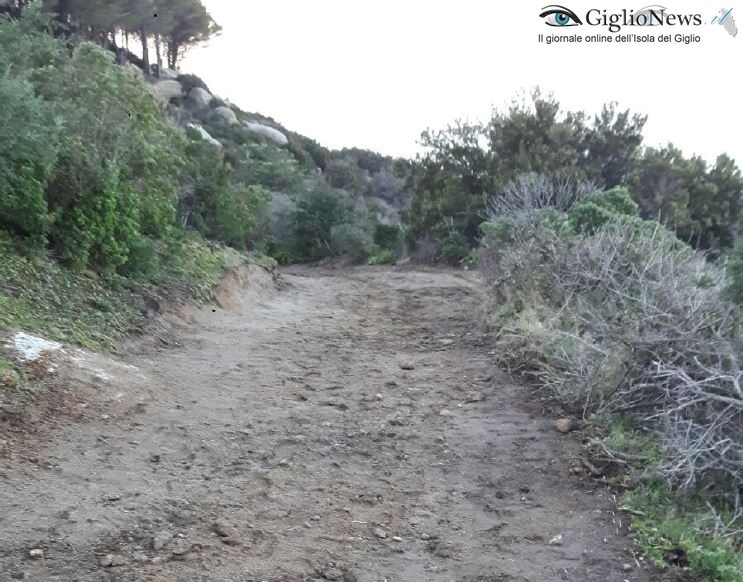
point(107, 194)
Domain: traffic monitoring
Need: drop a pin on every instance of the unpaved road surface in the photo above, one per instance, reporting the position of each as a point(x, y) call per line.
point(349, 427)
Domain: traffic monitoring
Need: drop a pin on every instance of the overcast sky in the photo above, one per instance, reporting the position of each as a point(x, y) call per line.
point(375, 74)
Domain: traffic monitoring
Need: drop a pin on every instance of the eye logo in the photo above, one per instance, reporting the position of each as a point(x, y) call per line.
point(556, 15)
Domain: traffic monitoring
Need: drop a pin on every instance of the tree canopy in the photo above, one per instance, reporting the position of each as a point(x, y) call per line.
point(171, 26)
point(466, 165)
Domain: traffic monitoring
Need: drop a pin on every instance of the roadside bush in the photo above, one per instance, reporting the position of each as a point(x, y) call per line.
point(239, 212)
point(317, 212)
point(734, 288)
point(597, 209)
point(622, 321)
point(119, 164)
point(351, 240)
point(28, 149)
point(382, 257)
point(272, 168)
point(142, 260)
point(454, 248)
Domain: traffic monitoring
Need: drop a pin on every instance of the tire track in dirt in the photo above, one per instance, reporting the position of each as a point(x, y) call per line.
point(351, 427)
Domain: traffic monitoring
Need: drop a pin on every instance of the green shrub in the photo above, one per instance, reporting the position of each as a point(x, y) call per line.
point(734, 288)
point(25, 45)
point(598, 209)
point(238, 213)
point(382, 257)
point(351, 240)
point(142, 260)
point(117, 173)
point(455, 248)
point(28, 149)
point(387, 236)
point(95, 225)
point(270, 167)
point(318, 210)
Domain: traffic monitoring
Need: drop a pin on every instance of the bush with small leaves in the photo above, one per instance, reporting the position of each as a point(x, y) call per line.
point(28, 150)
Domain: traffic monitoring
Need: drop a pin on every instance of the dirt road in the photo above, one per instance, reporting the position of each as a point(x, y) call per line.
point(348, 427)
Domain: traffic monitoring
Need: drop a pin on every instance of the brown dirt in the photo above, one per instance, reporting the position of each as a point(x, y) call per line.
point(349, 427)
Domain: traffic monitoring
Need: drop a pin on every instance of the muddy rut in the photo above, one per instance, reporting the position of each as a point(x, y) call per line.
point(349, 427)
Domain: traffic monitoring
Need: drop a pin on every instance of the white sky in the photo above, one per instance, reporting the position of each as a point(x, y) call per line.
point(375, 74)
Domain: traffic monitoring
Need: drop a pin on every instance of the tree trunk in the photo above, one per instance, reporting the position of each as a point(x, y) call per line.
point(172, 55)
point(159, 55)
point(145, 52)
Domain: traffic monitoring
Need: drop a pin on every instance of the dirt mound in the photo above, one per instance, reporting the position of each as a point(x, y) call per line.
point(243, 287)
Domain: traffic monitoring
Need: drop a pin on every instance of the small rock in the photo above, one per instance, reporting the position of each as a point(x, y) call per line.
point(332, 574)
point(379, 396)
point(440, 549)
point(564, 425)
point(222, 529)
point(380, 533)
point(161, 539)
point(308, 525)
point(36, 554)
point(112, 561)
point(446, 342)
point(315, 518)
point(396, 539)
point(226, 533)
point(425, 537)
point(181, 549)
point(445, 412)
point(556, 541)
point(627, 567)
point(407, 366)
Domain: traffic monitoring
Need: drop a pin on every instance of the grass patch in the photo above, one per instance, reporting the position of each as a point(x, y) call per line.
point(671, 525)
point(193, 267)
point(39, 296)
point(671, 528)
point(382, 257)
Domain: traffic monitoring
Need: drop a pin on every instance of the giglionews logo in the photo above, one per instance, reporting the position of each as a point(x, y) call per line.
point(654, 15)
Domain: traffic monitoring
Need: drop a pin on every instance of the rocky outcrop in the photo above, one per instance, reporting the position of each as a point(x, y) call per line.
point(200, 98)
point(226, 114)
point(204, 134)
point(167, 90)
point(168, 74)
point(273, 134)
